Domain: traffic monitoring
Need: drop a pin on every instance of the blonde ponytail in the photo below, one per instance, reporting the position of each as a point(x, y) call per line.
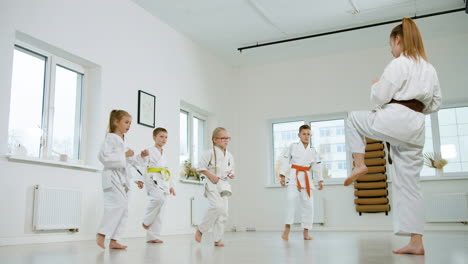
point(411, 40)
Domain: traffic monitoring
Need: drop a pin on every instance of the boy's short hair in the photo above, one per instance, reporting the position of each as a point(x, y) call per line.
point(158, 130)
point(303, 127)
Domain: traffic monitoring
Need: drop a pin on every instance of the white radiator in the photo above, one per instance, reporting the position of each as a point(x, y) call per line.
point(198, 207)
point(447, 207)
point(319, 212)
point(56, 208)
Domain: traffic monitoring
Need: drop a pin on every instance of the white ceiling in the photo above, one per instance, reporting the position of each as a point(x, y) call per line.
point(223, 26)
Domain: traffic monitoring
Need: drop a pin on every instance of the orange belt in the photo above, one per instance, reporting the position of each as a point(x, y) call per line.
point(306, 171)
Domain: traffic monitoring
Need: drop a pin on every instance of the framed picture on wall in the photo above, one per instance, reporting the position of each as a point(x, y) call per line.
point(146, 109)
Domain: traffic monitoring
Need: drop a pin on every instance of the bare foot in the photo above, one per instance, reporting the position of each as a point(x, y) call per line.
point(198, 236)
point(410, 249)
point(115, 245)
point(219, 244)
point(307, 237)
point(357, 171)
point(285, 235)
point(100, 238)
point(157, 241)
point(145, 226)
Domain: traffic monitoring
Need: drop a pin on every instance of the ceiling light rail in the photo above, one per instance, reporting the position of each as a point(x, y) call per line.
point(258, 45)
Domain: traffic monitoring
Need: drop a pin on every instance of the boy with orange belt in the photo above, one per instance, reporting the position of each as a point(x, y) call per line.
point(298, 159)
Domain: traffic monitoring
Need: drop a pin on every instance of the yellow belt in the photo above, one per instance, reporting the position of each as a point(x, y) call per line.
point(159, 170)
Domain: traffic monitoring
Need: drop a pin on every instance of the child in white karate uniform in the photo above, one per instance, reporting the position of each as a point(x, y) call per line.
point(159, 184)
point(116, 158)
point(297, 161)
point(407, 90)
point(218, 166)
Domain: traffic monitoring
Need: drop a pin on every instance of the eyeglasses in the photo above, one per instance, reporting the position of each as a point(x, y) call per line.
point(224, 138)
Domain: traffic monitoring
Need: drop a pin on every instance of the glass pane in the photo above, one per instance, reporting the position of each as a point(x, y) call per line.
point(329, 139)
point(67, 103)
point(453, 125)
point(184, 138)
point(428, 147)
point(198, 139)
point(27, 93)
point(283, 135)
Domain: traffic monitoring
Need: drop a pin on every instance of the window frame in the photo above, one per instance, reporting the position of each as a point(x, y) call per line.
point(193, 112)
point(436, 141)
point(48, 104)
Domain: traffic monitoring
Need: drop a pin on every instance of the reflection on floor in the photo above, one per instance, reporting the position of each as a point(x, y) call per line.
point(251, 247)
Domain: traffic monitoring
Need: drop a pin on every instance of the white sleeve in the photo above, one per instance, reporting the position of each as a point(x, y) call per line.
point(434, 106)
point(141, 161)
point(140, 164)
point(390, 82)
point(171, 181)
point(112, 155)
point(204, 161)
point(132, 160)
point(317, 167)
point(286, 161)
point(139, 175)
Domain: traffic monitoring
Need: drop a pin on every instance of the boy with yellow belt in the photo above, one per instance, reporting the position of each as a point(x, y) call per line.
point(158, 185)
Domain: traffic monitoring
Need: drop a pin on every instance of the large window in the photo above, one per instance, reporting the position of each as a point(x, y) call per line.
point(453, 127)
point(46, 104)
point(192, 135)
point(280, 141)
point(428, 147)
point(328, 138)
point(184, 136)
point(446, 133)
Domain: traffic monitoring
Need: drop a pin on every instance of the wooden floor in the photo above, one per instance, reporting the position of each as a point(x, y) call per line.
point(251, 247)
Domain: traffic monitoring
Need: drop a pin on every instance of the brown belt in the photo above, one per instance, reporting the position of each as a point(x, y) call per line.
point(413, 104)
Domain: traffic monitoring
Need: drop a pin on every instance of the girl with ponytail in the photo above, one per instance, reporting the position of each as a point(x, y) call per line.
point(407, 91)
point(116, 157)
point(218, 166)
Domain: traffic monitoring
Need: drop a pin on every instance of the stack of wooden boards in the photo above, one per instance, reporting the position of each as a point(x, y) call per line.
point(371, 188)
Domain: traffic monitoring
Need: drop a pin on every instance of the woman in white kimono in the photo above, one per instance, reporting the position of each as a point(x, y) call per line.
point(218, 166)
point(116, 157)
point(406, 92)
point(159, 185)
point(296, 163)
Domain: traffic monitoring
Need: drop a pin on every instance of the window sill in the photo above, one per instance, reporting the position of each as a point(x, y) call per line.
point(325, 182)
point(192, 181)
point(444, 178)
point(422, 179)
point(25, 159)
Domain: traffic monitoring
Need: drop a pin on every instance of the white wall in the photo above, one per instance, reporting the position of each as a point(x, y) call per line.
point(333, 83)
point(134, 51)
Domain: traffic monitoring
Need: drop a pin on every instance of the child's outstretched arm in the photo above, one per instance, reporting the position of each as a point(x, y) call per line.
point(140, 184)
point(206, 161)
point(172, 186)
point(285, 165)
point(318, 171)
point(232, 173)
point(213, 178)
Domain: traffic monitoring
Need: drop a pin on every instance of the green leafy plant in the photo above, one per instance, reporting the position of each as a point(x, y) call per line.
point(189, 171)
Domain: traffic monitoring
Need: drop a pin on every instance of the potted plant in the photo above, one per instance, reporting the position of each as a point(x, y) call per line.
point(190, 172)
